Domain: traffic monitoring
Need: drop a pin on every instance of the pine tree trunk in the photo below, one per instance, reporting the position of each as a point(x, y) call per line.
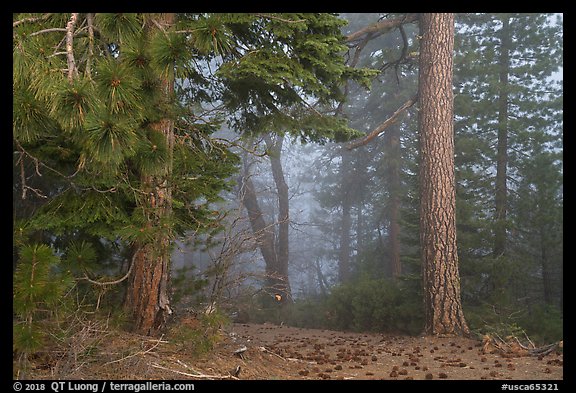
point(264, 234)
point(502, 153)
point(441, 279)
point(345, 239)
point(393, 154)
point(545, 266)
point(282, 245)
point(275, 253)
point(148, 293)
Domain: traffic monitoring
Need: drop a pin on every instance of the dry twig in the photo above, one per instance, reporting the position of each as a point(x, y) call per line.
point(158, 342)
point(196, 375)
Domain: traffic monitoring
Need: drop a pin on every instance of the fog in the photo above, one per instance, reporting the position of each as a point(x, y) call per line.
point(340, 198)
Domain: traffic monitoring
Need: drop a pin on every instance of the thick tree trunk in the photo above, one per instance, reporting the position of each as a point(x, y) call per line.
point(502, 153)
point(147, 298)
point(148, 293)
point(441, 280)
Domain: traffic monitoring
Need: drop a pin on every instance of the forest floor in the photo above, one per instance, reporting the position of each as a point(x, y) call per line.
point(272, 352)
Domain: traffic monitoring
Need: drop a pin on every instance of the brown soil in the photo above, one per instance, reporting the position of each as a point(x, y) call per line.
point(282, 352)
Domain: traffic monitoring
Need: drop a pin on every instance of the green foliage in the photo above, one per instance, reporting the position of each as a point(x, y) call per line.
point(187, 287)
point(38, 291)
point(376, 305)
point(544, 324)
point(72, 103)
point(119, 26)
point(80, 258)
point(199, 335)
point(31, 120)
point(311, 313)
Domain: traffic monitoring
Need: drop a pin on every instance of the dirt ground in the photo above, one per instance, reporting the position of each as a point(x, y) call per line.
point(271, 352)
point(324, 354)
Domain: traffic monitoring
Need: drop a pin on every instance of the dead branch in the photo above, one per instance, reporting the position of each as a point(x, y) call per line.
point(385, 124)
point(264, 349)
point(111, 282)
point(512, 346)
point(196, 375)
point(31, 20)
point(267, 16)
point(72, 70)
point(545, 350)
point(51, 30)
point(90, 21)
point(157, 342)
point(382, 26)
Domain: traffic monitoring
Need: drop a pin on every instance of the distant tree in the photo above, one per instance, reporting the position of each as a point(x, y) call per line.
point(347, 194)
point(370, 183)
point(506, 98)
point(272, 237)
point(441, 279)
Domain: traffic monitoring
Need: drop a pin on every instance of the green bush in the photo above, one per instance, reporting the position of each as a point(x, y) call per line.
point(378, 305)
point(543, 324)
point(199, 335)
point(39, 290)
point(382, 305)
point(310, 313)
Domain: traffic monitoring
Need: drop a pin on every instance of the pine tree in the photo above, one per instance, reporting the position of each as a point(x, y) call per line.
point(505, 98)
point(114, 106)
point(39, 287)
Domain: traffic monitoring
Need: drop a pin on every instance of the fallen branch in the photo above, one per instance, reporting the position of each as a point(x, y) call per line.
point(263, 349)
point(545, 350)
point(198, 375)
point(158, 342)
point(512, 346)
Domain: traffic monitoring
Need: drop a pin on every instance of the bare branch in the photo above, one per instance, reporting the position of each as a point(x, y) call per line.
point(31, 20)
point(158, 342)
point(268, 16)
point(22, 176)
point(382, 26)
point(385, 124)
point(51, 30)
point(90, 21)
point(197, 375)
point(354, 62)
point(118, 281)
point(72, 70)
